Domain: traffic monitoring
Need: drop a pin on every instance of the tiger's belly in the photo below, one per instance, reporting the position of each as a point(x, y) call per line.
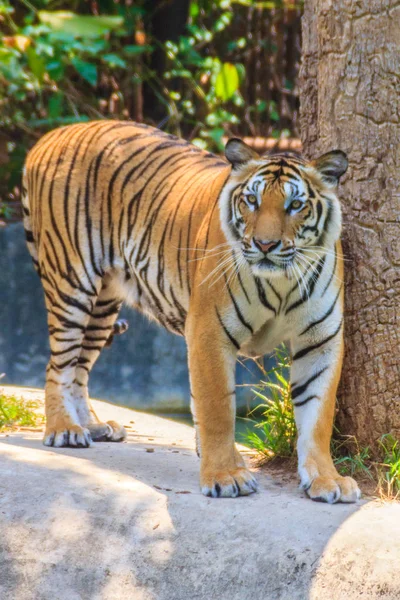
point(160, 305)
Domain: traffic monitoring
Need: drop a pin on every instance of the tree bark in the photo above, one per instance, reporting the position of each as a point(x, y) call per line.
point(349, 96)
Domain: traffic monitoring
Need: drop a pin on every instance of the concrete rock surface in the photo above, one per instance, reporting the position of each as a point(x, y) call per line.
point(127, 521)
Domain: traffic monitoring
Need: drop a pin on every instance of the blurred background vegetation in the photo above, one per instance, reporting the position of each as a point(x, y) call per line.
point(200, 69)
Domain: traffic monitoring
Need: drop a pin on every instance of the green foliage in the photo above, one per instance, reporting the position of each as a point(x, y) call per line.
point(273, 435)
point(389, 472)
point(15, 412)
point(277, 429)
point(357, 462)
point(56, 68)
point(60, 64)
point(83, 26)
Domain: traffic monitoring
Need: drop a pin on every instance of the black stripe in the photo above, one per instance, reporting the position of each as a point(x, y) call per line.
point(181, 157)
point(319, 212)
point(111, 311)
point(202, 168)
point(75, 285)
point(178, 256)
point(310, 286)
point(276, 293)
point(237, 308)
point(262, 296)
point(68, 363)
point(161, 264)
point(326, 315)
point(178, 306)
point(189, 227)
point(77, 144)
point(296, 405)
point(116, 142)
point(29, 236)
point(59, 352)
point(297, 389)
point(106, 302)
point(62, 340)
point(99, 328)
point(316, 275)
point(305, 351)
point(69, 324)
point(88, 222)
point(328, 216)
point(71, 301)
point(90, 348)
point(295, 286)
point(242, 286)
point(82, 360)
point(227, 332)
point(77, 241)
point(56, 229)
point(131, 220)
point(332, 274)
point(311, 193)
point(90, 338)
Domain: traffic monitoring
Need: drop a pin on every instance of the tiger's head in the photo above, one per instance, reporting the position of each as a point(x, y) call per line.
point(276, 206)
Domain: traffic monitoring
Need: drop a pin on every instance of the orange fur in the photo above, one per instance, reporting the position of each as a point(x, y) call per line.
point(116, 211)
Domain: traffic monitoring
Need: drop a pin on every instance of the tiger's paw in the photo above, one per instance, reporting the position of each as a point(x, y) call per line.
point(107, 432)
point(228, 484)
point(74, 436)
point(332, 490)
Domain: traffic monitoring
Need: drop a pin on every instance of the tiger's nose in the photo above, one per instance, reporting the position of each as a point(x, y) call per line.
point(265, 246)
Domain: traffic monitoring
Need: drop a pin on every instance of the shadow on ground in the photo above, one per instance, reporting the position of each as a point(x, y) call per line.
point(118, 521)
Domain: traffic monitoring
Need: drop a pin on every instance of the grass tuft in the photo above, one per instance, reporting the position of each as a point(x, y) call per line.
point(356, 463)
point(389, 469)
point(16, 412)
point(274, 433)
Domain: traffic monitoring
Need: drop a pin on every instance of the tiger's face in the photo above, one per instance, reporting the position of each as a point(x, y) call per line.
point(276, 207)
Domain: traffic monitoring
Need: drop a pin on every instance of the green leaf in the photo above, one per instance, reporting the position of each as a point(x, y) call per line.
point(216, 135)
point(86, 70)
point(114, 60)
point(36, 63)
point(84, 26)
point(274, 115)
point(136, 49)
point(194, 10)
point(55, 106)
point(56, 70)
point(261, 105)
point(227, 82)
point(184, 73)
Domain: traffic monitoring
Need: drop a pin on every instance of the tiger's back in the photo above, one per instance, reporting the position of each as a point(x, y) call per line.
point(113, 196)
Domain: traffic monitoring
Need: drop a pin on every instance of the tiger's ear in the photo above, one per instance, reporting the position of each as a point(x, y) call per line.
point(331, 166)
point(238, 153)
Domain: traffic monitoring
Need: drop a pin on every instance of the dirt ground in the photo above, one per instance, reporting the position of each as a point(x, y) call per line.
point(127, 521)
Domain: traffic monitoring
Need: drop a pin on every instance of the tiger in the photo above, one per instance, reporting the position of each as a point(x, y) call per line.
point(237, 253)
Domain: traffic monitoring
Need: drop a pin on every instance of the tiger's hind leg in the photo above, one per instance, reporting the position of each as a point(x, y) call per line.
point(99, 333)
point(69, 307)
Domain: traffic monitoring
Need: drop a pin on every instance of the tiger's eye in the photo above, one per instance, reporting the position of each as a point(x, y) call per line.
point(251, 199)
point(296, 204)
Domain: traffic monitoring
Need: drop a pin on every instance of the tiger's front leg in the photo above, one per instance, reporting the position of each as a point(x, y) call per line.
point(316, 367)
point(212, 359)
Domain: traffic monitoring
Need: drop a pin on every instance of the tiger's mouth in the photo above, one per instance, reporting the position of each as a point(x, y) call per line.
point(266, 264)
point(271, 261)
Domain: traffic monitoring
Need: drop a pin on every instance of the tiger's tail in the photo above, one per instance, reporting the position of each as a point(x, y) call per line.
point(28, 224)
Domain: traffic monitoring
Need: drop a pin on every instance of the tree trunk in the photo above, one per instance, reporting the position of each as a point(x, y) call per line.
point(349, 95)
